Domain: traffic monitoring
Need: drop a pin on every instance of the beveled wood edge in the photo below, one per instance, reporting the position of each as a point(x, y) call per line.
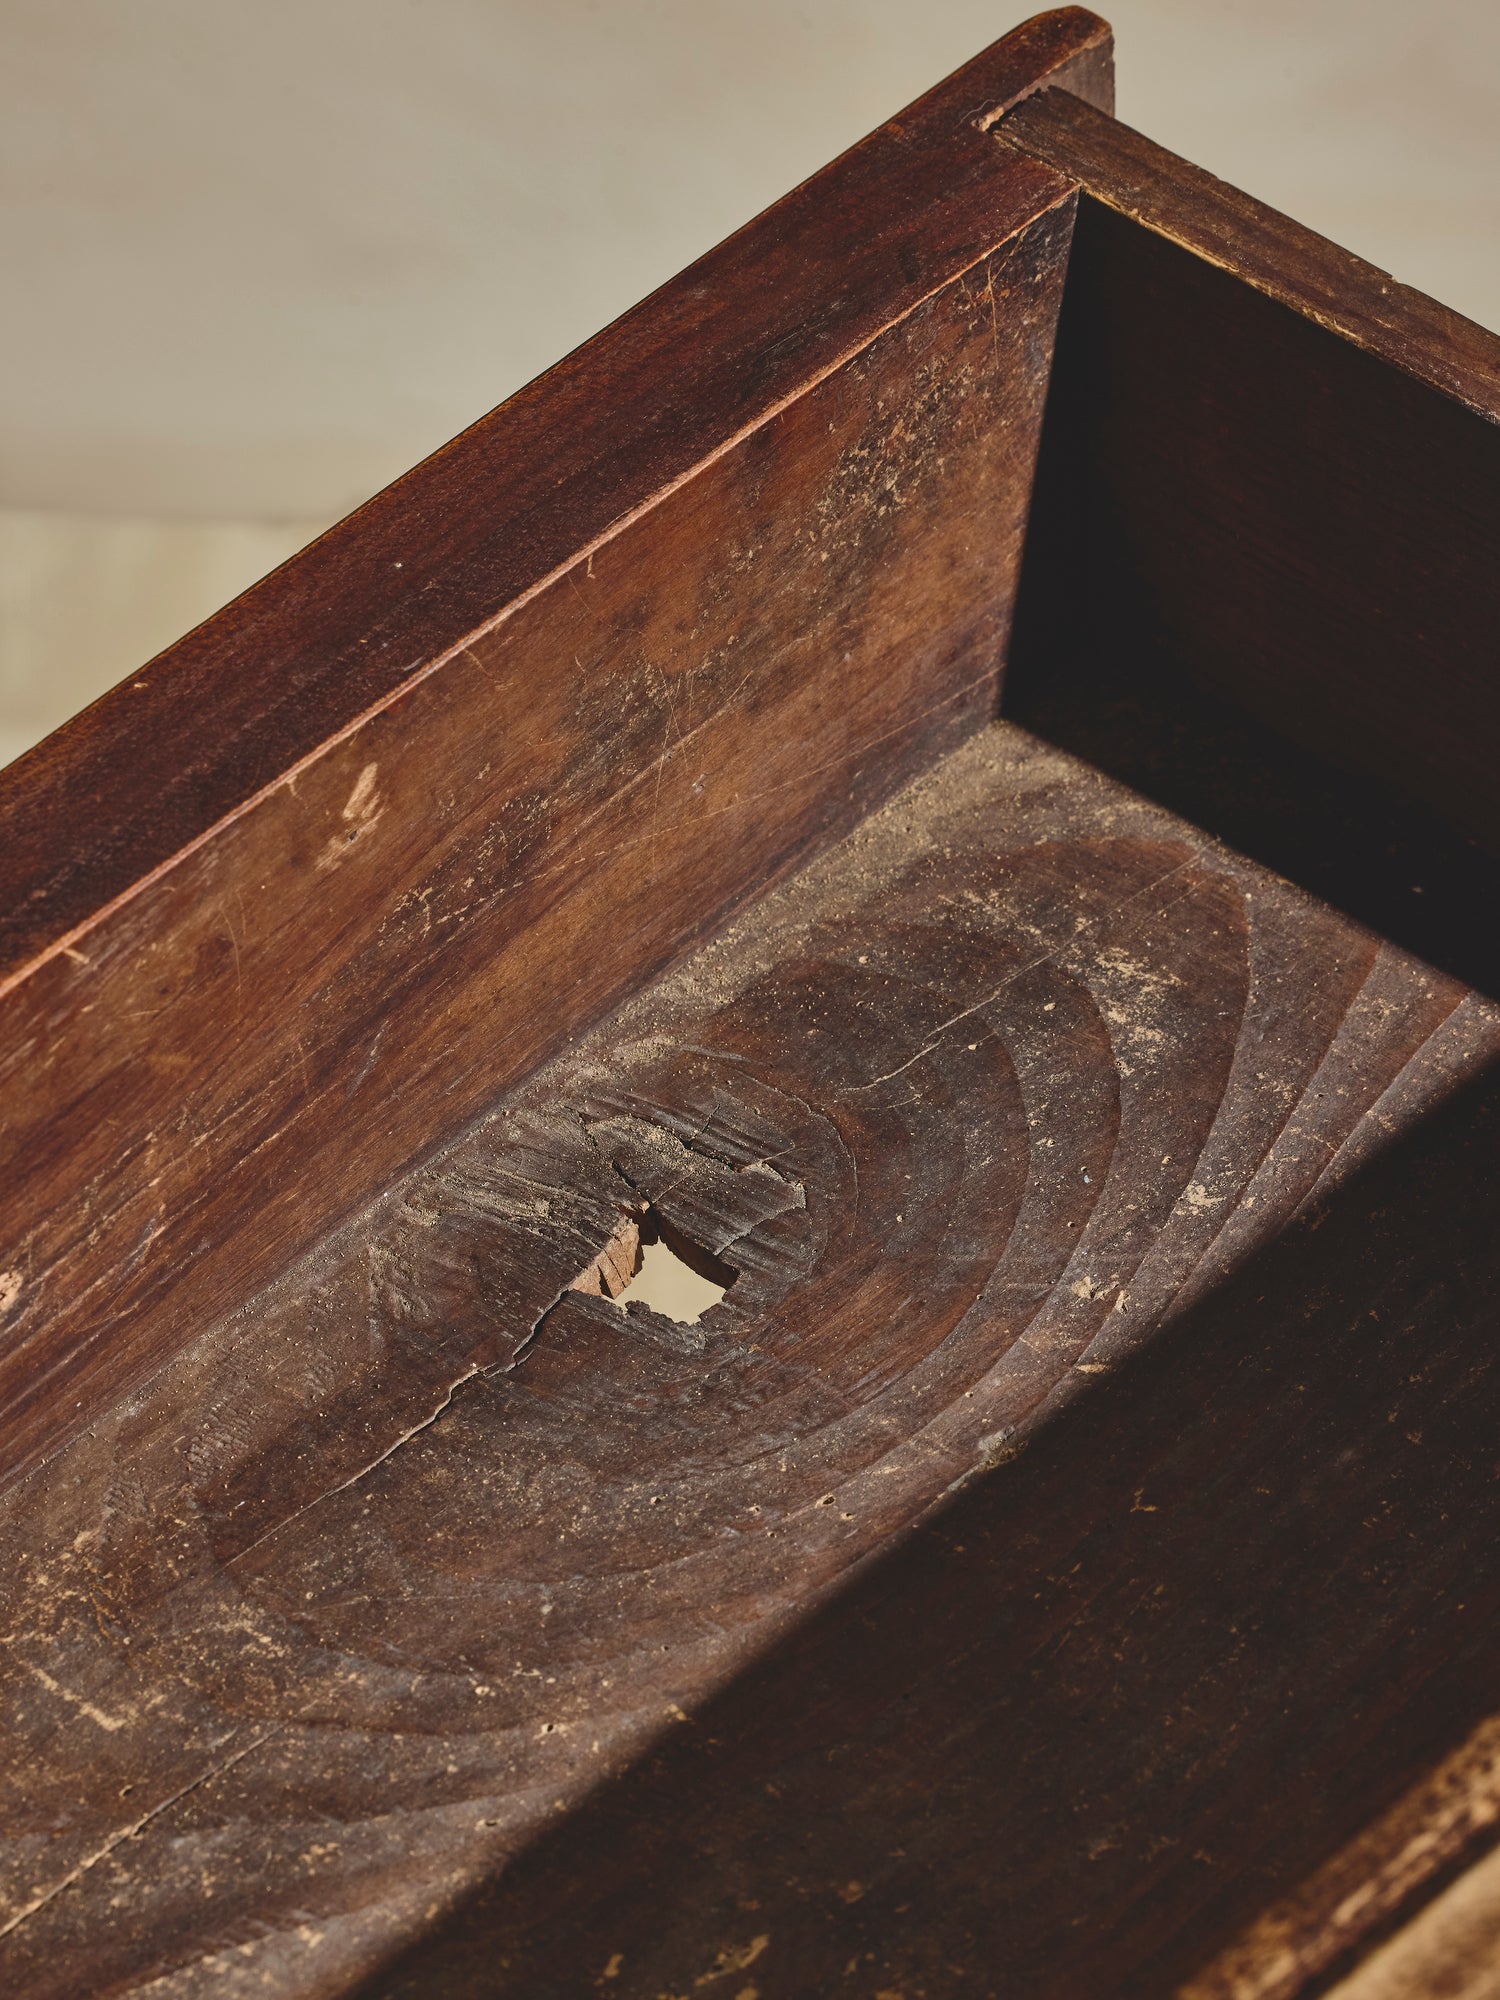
point(1250, 241)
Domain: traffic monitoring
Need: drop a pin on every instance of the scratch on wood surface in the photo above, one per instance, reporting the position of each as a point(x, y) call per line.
point(1020, 971)
point(361, 812)
point(78, 1701)
point(415, 1430)
point(103, 1852)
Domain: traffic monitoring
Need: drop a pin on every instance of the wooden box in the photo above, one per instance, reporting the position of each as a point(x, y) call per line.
point(944, 767)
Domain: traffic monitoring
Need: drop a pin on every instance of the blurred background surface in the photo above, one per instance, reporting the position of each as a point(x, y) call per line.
point(262, 257)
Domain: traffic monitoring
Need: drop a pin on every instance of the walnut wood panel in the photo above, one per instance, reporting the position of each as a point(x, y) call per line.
point(1285, 471)
point(286, 910)
point(1113, 1263)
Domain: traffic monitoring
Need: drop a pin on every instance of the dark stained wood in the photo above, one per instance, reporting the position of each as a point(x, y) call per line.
point(1062, 1563)
point(398, 587)
point(287, 909)
point(1053, 1147)
point(1220, 226)
point(1275, 470)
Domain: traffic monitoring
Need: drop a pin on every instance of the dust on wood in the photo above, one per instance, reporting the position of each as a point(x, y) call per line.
point(398, 1565)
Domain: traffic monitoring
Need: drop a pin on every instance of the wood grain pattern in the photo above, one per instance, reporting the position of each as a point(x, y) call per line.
point(1285, 472)
point(286, 910)
point(427, 1602)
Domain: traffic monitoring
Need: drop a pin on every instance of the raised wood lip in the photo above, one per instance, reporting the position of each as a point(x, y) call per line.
point(77, 834)
point(1264, 249)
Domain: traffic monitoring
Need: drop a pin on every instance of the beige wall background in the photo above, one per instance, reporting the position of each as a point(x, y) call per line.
point(261, 255)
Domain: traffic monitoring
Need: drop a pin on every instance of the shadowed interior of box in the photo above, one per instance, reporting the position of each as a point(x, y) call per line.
point(1260, 586)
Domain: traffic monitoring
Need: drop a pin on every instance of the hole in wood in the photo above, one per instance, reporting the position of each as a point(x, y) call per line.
point(648, 1260)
